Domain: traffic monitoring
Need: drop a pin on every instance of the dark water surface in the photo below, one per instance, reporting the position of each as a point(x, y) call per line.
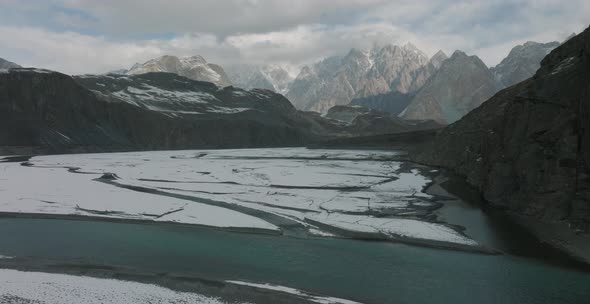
point(369, 272)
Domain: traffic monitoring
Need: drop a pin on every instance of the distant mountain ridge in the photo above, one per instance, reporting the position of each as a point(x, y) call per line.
point(193, 67)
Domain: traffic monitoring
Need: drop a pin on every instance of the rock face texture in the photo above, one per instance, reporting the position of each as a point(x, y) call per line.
point(361, 73)
point(194, 67)
point(270, 77)
point(522, 62)
point(527, 149)
point(5, 64)
point(57, 113)
point(460, 85)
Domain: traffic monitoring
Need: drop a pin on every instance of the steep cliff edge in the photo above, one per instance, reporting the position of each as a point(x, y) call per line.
point(527, 149)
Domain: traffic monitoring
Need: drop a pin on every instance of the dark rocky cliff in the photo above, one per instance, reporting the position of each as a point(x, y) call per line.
point(50, 112)
point(527, 149)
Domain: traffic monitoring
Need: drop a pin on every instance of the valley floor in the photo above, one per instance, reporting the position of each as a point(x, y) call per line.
point(239, 226)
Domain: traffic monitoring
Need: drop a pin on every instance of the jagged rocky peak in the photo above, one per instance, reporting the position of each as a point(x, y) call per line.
point(438, 58)
point(265, 76)
point(360, 73)
point(522, 62)
point(5, 64)
point(460, 85)
point(193, 67)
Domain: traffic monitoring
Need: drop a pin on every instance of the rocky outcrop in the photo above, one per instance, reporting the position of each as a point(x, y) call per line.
point(527, 149)
point(460, 85)
point(5, 64)
point(522, 62)
point(193, 67)
point(361, 73)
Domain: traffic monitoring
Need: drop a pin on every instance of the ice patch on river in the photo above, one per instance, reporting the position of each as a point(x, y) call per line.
point(48, 288)
point(271, 189)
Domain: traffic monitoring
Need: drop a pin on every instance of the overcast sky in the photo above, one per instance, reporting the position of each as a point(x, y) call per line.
point(95, 36)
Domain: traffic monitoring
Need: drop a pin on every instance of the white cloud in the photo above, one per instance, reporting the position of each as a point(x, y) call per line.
point(83, 36)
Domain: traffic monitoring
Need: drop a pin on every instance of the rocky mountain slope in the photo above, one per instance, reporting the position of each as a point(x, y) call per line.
point(270, 77)
point(527, 149)
point(522, 62)
point(193, 67)
point(361, 73)
point(52, 112)
point(5, 64)
point(461, 84)
point(47, 112)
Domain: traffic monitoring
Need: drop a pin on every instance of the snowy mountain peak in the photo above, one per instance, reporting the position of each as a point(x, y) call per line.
point(193, 60)
point(522, 62)
point(193, 67)
point(409, 47)
point(249, 76)
point(361, 73)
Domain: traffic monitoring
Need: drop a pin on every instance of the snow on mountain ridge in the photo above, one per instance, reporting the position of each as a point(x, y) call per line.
point(193, 67)
point(360, 73)
point(522, 62)
point(269, 76)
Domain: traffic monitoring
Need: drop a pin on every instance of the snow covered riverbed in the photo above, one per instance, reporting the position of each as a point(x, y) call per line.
point(53, 288)
point(324, 192)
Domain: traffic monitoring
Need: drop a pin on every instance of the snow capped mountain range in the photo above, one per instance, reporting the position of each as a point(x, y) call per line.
point(375, 76)
point(193, 67)
point(270, 76)
point(361, 73)
point(522, 62)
